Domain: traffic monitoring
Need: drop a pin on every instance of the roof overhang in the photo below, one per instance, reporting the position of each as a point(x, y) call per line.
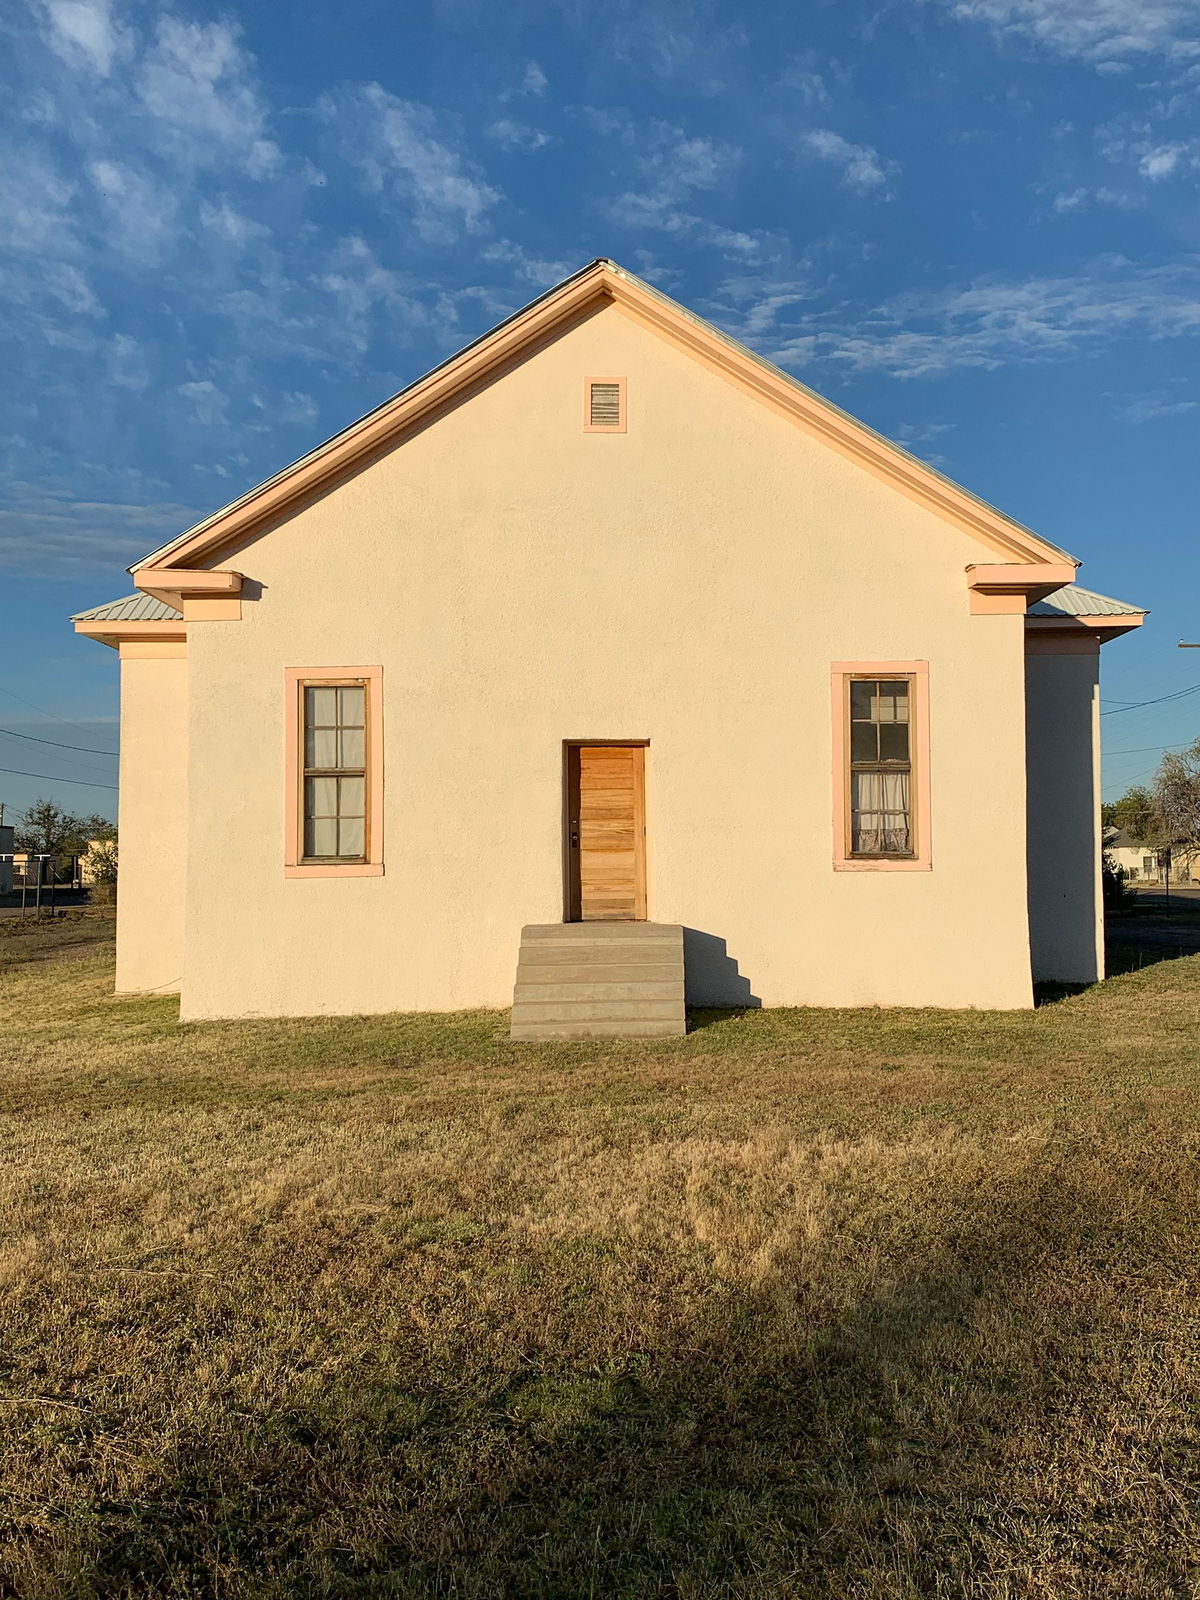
point(199, 595)
point(1013, 586)
point(1101, 629)
point(169, 571)
point(117, 634)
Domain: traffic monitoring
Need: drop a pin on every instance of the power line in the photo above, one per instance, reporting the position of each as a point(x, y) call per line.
point(1137, 704)
point(84, 783)
point(1143, 749)
point(53, 714)
point(87, 749)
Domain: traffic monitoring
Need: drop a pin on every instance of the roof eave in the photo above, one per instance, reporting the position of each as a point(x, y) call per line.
point(1102, 628)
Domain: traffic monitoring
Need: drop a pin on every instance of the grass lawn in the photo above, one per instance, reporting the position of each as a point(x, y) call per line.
point(806, 1304)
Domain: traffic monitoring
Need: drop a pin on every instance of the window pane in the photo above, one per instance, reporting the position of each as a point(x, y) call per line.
point(351, 705)
point(353, 797)
point(320, 706)
point(862, 695)
point(891, 702)
point(893, 741)
point(320, 836)
point(351, 837)
point(320, 797)
point(354, 747)
point(881, 822)
point(320, 747)
point(864, 741)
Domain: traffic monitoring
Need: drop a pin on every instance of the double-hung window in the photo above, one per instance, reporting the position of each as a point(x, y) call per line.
point(881, 787)
point(881, 764)
point(335, 772)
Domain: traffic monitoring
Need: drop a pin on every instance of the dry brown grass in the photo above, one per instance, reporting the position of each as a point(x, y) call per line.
point(807, 1304)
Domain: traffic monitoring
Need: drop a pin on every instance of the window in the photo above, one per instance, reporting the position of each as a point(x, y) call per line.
point(1147, 865)
point(334, 772)
point(881, 820)
point(604, 405)
point(881, 765)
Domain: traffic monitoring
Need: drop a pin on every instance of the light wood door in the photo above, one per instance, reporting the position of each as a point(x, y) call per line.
point(606, 792)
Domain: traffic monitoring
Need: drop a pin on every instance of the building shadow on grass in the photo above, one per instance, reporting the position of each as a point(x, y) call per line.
point(1145, 935)
point(938, 1431)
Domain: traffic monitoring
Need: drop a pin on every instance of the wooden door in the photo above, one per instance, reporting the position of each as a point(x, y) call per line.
point(607, 841)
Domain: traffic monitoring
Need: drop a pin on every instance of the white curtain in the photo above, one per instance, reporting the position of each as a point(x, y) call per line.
point(882, 819)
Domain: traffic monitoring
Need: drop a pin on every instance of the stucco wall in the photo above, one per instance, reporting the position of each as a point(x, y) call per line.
point(688, 582)
point(153, 823)
point(1066, 922)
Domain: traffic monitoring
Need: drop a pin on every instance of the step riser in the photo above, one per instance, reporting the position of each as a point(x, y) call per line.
point(531, 1033)
point(609, 993)
point(598, 1011)
point(598, 972)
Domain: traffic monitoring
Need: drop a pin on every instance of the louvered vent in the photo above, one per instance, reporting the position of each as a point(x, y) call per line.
point(604, 407)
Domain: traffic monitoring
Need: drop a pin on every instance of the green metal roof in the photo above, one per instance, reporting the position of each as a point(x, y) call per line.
point(1072, 601)
point(131, 608)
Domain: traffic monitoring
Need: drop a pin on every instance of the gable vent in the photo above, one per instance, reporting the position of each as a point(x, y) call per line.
point(604, 407)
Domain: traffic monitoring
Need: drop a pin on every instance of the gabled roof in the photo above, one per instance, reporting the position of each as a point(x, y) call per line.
point(1072, 601)
point(600, 282)
point(131, 608)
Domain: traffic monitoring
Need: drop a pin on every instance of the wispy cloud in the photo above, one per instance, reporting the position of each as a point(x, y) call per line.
point(1103, 32)
point(196, 81)
point(674, 171)
point(513, 135)
point(86, 32)
point(533, 79)
point(409, 153)
point(1153, 408)
point(1080, 199)
point(859, 164)
point(1164, 161)
point(540, 271)
point(61, 534)
point(994, 323)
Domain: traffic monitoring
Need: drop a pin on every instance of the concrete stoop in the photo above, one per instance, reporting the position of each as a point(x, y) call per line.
point(599, 980)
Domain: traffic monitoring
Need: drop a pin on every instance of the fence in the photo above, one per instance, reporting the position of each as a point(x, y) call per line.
point(38, 879)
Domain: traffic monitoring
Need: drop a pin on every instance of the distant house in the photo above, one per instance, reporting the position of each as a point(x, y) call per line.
point(1142, 864)
point(606, 620)
point(1139, 862)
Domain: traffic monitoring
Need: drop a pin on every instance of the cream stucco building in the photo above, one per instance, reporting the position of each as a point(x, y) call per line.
point(607, 620)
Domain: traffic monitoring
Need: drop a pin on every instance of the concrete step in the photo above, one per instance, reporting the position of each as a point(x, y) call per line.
point(551, 956)
point(627, 1028)
point(599, 980)
point(559, 972)
point(596, 989)
point(590, 1010)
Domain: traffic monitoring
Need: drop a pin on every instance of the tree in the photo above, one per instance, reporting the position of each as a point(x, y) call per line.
point(1136, 814)
point(1177, 800)
point(46, 829)
point(101, 862)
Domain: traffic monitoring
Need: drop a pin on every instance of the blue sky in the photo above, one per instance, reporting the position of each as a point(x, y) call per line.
point(225, 233)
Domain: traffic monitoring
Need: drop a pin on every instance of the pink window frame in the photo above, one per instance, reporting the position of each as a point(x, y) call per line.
point(918, 673)
point(294, 866)
point(604, 427)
